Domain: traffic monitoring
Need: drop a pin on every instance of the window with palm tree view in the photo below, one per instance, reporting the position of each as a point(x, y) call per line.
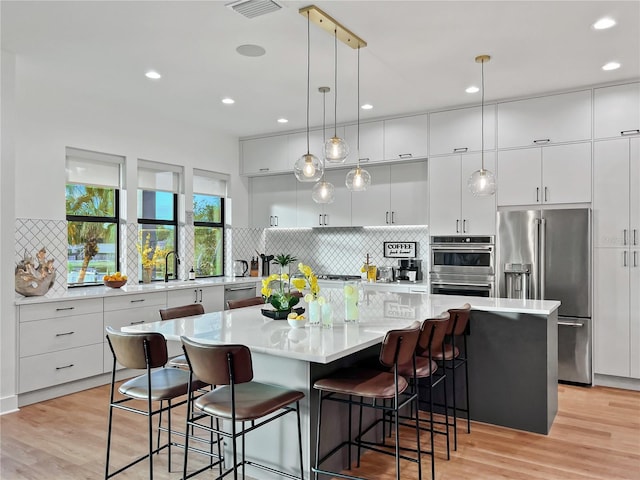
point(92, 220)
point(208, 221)
point(157, 234)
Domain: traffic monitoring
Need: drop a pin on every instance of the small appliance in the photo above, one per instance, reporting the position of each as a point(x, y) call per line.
point(240, 268)
point(409, 269)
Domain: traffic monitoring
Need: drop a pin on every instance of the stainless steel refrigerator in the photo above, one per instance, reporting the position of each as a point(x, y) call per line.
point(546, 255)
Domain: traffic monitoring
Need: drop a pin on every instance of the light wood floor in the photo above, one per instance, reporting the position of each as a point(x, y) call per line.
point(596, 435)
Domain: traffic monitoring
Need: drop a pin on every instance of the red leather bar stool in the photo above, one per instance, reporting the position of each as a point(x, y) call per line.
point(451, 358)
point(376, 386)
point(237, 398)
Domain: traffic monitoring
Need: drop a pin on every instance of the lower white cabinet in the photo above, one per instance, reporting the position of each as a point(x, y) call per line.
point(211, 298)
point(453, 209)
point(59, 342)
point(616, 315)
point(273, 201)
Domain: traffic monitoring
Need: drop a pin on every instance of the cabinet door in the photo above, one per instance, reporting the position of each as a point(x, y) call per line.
point(444, 195)
point(308, 212)
point(566, 173)
point(611, 193)
point(518, 180)
point(458, 131)
point(371, 142)
point(478, 213)
point(371, 207)
point(611, 312)
point(338, 213)
point(264, 155)
point(212, 298)
point(634, 194)
point(408, 190)
point(405, 138)
point(183, 296)
point(273, 201)
point(297, 146)
point(634, 311)
point(554, 118)
point(616, 110)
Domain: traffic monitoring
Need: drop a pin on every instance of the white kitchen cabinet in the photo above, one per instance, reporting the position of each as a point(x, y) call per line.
point(267, 155)
point(273, 201)
point(553, 174)
point(371, 142)
point(59, 342)
point(297, 146)
point(616, 192)
point(453, 209)
point(459, 131)
point(335, 214)
point(406, 138)
point(397, 196)
point(616, 111)
point(211, 297)
point(551, 119)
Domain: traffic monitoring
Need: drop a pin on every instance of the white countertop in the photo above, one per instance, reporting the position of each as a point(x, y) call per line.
point(76, 293)
point(379, 312)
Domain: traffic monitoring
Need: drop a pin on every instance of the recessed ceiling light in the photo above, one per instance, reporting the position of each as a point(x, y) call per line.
point(283, 120)
point(366, 106)
point(611, 66)
point(153, 75)
point(604, 23)
point(228, 101)
point(250, 50)
point(472, 89)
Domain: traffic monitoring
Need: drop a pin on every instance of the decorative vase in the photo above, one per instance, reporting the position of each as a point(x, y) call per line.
point(315, 314)
point(147, 274)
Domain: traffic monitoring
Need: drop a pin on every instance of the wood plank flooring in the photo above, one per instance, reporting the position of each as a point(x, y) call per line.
point(596, 435)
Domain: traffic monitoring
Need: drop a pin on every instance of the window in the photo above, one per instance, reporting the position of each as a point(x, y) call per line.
point(209, 190)
point(92, 211)
point(158, 187)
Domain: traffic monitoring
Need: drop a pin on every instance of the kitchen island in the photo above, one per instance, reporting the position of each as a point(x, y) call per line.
point(512, 352)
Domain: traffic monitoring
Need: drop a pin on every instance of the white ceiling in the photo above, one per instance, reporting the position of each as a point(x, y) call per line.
point(420, 55)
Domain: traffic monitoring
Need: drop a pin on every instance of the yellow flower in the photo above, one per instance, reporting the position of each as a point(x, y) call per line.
point(266, 291)
point(305, 269)
point(150, 256)
point(299, 283)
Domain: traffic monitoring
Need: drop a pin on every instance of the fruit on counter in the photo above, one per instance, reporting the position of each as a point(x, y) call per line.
point(295, 316)
point(114, 277)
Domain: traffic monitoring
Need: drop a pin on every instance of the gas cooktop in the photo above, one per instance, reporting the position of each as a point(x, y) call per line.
point(338, 277)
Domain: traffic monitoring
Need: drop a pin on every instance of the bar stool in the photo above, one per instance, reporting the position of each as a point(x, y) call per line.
point(178, 312)
point(145, 351)
point(237, 398)
point(398, 348)
point(451, 359)
point(245, 302)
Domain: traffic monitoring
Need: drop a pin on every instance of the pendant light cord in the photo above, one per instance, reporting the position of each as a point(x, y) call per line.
point(324, 109)
point(358, 106)
point(482, 117)
point(308, 74)
point(335, 83)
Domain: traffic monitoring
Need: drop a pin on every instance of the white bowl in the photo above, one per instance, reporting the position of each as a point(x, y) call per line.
point(295, 323)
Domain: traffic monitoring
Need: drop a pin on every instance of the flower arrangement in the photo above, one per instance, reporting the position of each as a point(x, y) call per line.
point(276, 288)
point(310, 279)
point(149, 256)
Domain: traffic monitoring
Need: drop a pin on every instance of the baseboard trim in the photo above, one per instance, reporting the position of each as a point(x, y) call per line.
point(8, 404)
point(617, 382)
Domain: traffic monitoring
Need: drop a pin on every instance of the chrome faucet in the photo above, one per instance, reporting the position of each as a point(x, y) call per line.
point(166, 265)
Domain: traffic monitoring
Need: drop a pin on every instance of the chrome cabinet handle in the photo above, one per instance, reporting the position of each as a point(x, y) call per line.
point(325, 219)
point(364, 160)
point(386, 218)
point(464, 226)
point(537, 194)
point(635, 259)
point(457, 226)
point(64, 308)
point(571, 324)
point(545, 194)
point(460, 150)
point(200, 294)
point(320, 219)
point(624, 260)
point(66, 366)
point(405, 155)
point(635, 236)
point(276, 218)
point(195, 292)
point(263, 169)
point(137, 301)
point(542, 140)
point(630, 132)
point(624, 236)
point(238, 289)
point(64, 334)
point(393, 215)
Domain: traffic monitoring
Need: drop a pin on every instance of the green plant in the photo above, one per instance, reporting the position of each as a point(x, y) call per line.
point(276, 289)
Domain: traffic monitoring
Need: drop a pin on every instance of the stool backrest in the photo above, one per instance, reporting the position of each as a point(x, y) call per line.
point(245, 302)
point(399, 346)
point(212, 363)
point(135, 350)
point(432, 333)
point(458, 320)
point(182, 311)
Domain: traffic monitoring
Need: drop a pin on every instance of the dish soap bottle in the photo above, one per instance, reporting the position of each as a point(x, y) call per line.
point(192, 274)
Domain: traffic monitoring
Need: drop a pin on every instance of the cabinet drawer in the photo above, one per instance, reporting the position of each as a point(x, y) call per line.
point(119, 318)
point(65, 308)
point(125, 302)
point(40, 371)
point(52, 335)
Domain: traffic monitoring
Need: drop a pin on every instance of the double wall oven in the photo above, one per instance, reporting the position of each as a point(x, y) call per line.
point(463, 265)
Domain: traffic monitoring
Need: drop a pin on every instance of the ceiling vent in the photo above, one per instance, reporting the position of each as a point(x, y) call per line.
point(254, 8)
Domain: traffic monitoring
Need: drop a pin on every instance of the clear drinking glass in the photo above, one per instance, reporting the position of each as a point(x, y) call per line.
point(351, 296)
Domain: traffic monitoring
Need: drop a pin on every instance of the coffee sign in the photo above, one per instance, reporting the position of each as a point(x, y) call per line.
point(400, 249)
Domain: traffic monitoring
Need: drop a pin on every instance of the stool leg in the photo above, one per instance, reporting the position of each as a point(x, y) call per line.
point(397, 436)
point(360, 432)
point(106, 464)
point(315, 474)
point(219, 448)
point(433, 471)
point(186, 435)
point(466, 383)
point(168, 436)
point(300, 441)
point(455, 410)
point(243, 446)
point(150, 432)
point(349, 429)
point(446, 413)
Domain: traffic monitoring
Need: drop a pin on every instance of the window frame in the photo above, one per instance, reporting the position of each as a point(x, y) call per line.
point(221, 225)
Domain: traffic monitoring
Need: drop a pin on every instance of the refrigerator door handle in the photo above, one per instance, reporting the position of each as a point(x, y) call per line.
point(542, 255)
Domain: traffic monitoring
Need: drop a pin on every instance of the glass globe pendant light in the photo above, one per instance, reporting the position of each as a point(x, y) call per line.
point(482, 182)
point(323, 191)
point(308, 168)
point(336, 149)
point(358, 179)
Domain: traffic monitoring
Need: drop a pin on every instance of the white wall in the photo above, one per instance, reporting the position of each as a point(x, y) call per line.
point(48, 118)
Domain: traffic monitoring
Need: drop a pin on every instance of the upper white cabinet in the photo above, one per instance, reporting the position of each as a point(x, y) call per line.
point(371, 142)
point(397, 196)
point(273, 201)
point(453, 209)
point(546, 175)
point(265, 155)
point(616, 111)
point(335, 214)
point(459, 131)
point(551, 119)
point(297, 146)
point(406, 137)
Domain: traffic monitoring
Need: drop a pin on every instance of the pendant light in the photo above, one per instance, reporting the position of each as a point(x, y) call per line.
point(358, 179)
point(308, 168)
point(482, 182)
point(323, 191)
point(336, 149)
